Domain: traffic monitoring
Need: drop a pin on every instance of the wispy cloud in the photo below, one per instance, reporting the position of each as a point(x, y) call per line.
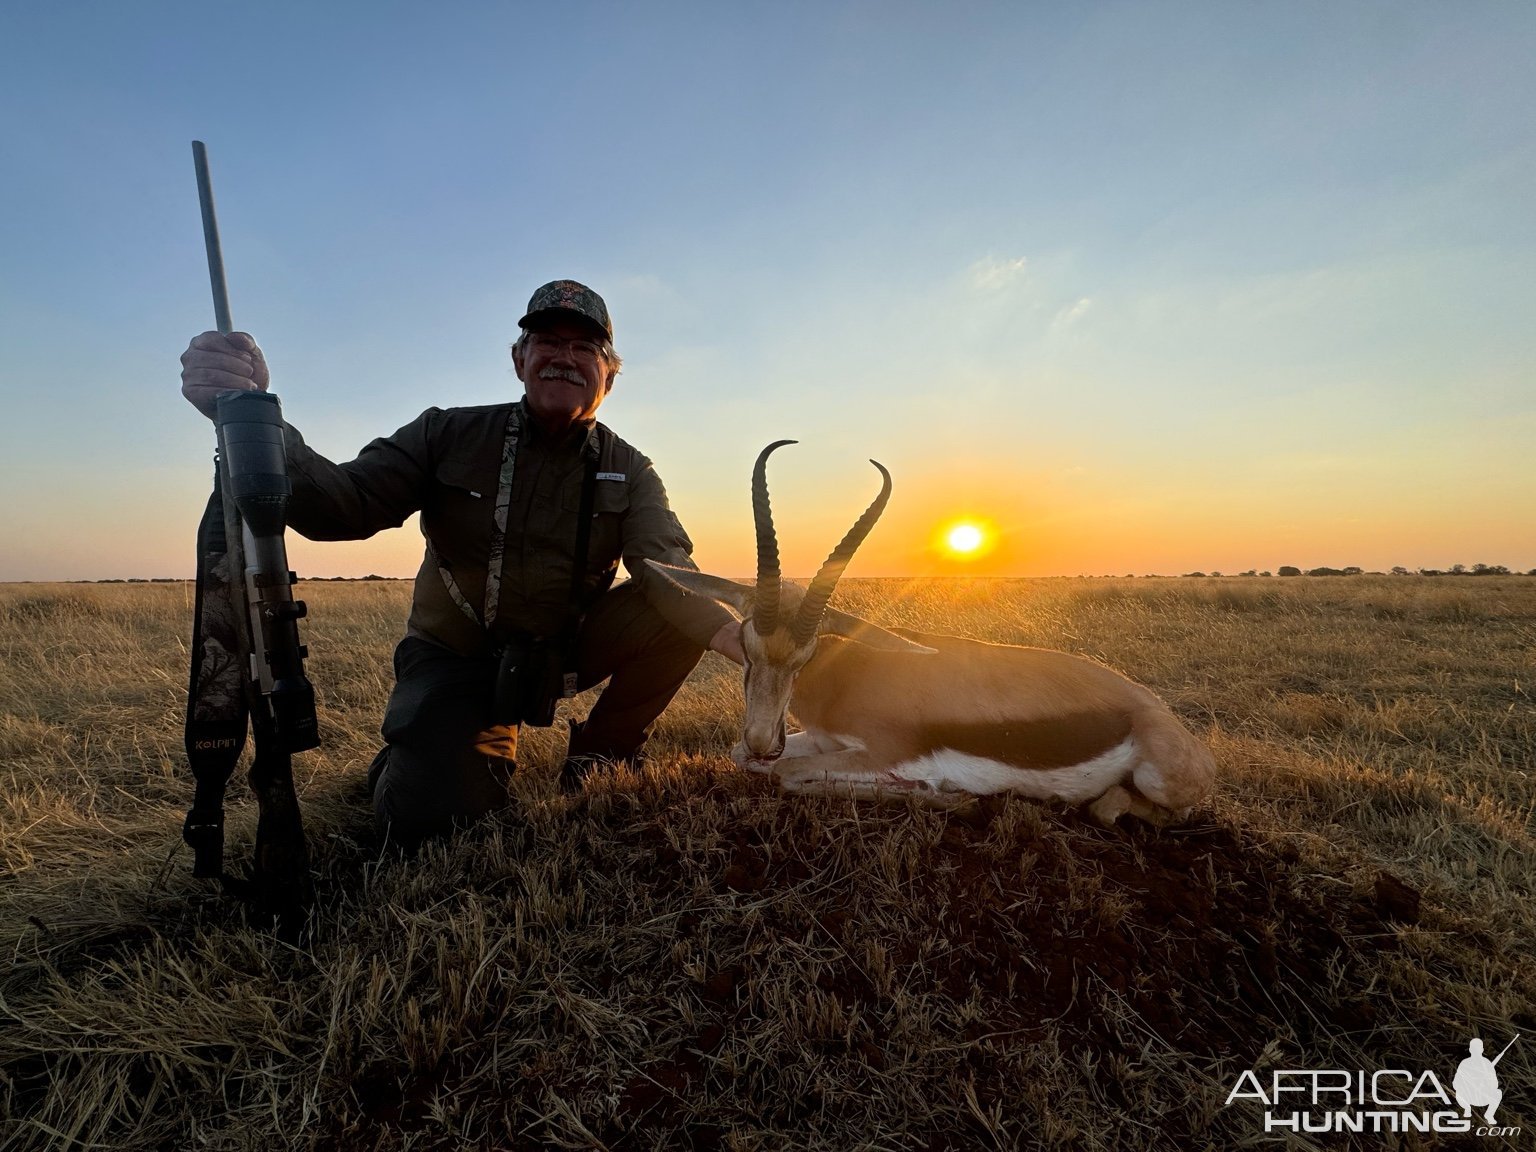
point(1072, 314)
point(990, 274)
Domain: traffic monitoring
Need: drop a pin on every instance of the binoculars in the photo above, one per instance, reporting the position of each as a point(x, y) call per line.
point(531, 680)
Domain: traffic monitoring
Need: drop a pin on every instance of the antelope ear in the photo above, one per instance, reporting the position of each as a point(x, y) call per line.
point(688, 582)
point(842, 624)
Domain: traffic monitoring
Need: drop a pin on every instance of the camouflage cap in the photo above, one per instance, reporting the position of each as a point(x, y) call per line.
point(569, 296)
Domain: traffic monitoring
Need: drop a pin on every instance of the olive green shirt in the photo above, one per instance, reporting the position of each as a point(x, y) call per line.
point(447, 465)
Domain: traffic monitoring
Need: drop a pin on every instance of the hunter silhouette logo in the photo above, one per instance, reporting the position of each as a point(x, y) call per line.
point(1386, 1100)
point(1477, 1084)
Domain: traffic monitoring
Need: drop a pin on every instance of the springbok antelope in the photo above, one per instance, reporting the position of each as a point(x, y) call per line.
point(937, 718)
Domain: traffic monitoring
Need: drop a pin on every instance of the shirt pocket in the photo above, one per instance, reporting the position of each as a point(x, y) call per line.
point(460, 472)
point(459, 515)
point(610, 505)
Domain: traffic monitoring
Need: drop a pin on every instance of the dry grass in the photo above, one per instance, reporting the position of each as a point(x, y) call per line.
point(685, 959)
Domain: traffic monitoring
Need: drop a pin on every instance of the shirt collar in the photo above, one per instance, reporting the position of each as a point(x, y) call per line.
point(582, 434)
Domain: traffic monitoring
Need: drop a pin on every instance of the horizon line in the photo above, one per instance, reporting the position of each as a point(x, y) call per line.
point(1487, 570)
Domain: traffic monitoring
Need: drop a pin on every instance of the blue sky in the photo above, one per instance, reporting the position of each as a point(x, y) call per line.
point(1146, 287)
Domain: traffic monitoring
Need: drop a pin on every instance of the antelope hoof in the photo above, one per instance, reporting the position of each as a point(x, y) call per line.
point(1119, 801)
point(1111, 806)
point(745, 759)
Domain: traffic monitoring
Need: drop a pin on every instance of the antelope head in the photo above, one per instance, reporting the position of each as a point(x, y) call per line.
point(780, 621)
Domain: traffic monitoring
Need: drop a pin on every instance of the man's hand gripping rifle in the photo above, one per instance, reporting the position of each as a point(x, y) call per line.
point(247, 661)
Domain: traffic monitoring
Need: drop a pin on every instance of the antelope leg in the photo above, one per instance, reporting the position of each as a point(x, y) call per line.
point(1119, 801)
point(853, 774)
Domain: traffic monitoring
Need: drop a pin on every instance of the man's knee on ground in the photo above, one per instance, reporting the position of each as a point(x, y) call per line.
point(419, 796)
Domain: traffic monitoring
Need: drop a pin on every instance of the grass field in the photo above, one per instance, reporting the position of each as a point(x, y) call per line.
point(683, 958)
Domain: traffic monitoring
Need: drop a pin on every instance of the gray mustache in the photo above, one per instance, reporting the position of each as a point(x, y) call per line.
point(570, 374)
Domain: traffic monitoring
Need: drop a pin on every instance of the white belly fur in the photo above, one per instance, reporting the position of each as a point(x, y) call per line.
point(950, 771)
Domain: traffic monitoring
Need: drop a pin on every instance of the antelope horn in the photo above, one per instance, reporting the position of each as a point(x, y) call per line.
point(765, 608)
point(815, 603)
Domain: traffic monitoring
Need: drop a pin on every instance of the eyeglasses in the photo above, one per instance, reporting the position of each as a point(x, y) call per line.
point(548, 345)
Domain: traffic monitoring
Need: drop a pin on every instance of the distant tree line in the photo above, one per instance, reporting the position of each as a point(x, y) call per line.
point(1356, 570)
point(134, 580)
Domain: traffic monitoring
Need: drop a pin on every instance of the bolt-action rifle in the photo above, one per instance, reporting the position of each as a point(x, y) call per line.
point(247, 662)
point(1503, 1050)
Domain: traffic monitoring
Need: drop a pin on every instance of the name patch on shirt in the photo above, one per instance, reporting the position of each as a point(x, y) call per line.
point(612, 476)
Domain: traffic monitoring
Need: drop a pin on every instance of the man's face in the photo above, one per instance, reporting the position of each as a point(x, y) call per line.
point(565, 382)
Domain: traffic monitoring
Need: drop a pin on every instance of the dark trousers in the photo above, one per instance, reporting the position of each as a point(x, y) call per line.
point(446, 761)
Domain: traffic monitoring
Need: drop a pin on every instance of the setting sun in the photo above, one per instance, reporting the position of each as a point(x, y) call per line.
point(964, 539)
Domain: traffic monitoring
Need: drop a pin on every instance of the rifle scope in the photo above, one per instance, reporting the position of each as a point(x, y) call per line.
point(250, 428)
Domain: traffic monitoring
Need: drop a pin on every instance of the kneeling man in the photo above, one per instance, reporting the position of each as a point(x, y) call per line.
point(527, 508)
